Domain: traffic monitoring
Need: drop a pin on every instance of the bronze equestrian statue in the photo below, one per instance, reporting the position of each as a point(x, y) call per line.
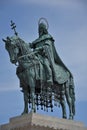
point(44, 78)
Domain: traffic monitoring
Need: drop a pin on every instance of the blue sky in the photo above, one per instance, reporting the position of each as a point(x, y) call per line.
point(67, 24)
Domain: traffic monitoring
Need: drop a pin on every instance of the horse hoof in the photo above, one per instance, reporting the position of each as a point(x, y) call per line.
point(34, 110)
point(70, 117)
point(65, 117)
point(24, 112)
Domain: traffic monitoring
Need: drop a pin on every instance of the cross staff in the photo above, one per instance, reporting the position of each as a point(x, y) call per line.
point(13, 26)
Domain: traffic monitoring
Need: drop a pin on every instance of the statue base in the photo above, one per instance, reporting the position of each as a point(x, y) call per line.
point(34, 121)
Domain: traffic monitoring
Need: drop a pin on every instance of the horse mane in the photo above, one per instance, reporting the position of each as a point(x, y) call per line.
point(24, 47)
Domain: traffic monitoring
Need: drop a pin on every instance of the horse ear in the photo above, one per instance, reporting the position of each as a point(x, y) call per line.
point(8, 38)
point(3, 40)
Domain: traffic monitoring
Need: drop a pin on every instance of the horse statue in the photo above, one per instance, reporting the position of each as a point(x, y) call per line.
point(32, 77)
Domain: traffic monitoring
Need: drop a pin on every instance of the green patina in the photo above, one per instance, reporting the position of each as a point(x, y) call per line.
point(43, 76)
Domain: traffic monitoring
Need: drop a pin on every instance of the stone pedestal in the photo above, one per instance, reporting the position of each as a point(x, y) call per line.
point(34, 121)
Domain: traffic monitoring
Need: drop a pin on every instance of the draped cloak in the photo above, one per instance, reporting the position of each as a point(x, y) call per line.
point(60, 71)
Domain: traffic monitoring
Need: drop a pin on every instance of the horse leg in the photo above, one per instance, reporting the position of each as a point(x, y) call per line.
point(69, 100)
point(62, 102)
point(33, 99)
point(30, 79)
point(72, 95)
point(20, 75)
point(73, 108)
point(25, 94)
point(32, 93)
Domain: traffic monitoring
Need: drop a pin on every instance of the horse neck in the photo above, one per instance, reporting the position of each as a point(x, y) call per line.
point(24, 48)
point(24, 51)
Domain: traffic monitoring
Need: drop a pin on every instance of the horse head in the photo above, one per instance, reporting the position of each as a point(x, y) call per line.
point(12, 45)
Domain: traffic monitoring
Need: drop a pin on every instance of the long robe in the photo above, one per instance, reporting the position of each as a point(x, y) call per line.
point(60, 72)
